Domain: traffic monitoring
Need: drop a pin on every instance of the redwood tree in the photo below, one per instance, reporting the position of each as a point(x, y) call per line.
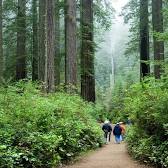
point(35, 42)
point(70, 43)
point(50, 46)
point(1, 43)
point(21, 41)
point(87, 51)
point(144, 38)
point(57, 43)
point(157, 20)
point(41, 42)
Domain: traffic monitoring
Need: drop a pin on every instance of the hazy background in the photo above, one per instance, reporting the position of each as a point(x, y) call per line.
point(113, 67)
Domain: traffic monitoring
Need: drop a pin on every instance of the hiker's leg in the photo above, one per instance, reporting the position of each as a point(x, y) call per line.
point(105, 136)
point(109, 136)
point(121, 137)
point(118, 138)
point(107, 140)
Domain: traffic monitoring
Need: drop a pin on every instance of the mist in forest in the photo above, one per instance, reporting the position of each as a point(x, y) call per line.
point(110, 58)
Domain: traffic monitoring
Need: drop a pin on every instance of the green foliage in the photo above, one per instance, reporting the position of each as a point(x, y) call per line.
point(131, 14)
point(161, 36)
point(139, 147)
point(104, 13)
point(146, 104)
point(147, 148)
point(116, 104)
point(39, 130)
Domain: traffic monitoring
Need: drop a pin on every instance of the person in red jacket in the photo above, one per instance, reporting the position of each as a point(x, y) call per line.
point(123, 127)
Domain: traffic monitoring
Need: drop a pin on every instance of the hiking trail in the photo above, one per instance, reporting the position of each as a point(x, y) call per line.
point(110, 156)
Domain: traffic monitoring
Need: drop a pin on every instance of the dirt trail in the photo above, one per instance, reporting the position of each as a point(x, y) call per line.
point(110, 156)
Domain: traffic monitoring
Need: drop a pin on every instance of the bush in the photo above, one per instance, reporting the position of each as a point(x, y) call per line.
point(39, 130)
point(146, 104)
point(139, 148)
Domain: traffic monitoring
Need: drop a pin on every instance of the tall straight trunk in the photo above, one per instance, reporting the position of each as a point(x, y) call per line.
point(50, 47)
point(57, 43)
point(35, 42)
point(157, 19)
point(87, 52)
point(21, 41)
point(41, 40)
point(1, 44)
point(70, 43)
point(144, 38)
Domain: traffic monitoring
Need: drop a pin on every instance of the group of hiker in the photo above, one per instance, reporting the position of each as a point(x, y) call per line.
point(118, 131)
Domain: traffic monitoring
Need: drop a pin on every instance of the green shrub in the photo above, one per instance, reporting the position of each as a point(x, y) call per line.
point(146, 104)
point(38, 130)
point(159, 153)
point(139, 147)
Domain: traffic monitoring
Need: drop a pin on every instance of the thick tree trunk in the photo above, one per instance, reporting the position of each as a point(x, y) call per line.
point(42, 40)
point(57, 43)
point(87, 52)
point(70, 44)
point(35, 42)
point(50, 47)
point(144, 38)
point(21, 41)
point(1, 44)
point(157, 19)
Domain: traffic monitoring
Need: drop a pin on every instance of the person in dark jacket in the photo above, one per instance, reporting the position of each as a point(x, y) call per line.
point(117, 133)
point(107, 128)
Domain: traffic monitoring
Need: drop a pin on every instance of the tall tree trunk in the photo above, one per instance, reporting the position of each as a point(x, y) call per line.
point(42, 42)
point(157, 19)
point(35, 42)
point(21, 41)
point(87, 52)
point(70, 44)
point(1, 44)
point(57, 43)
point(50, 46)
point(144, 38)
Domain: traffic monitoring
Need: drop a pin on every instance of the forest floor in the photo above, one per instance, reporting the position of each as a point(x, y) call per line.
point(110, 156)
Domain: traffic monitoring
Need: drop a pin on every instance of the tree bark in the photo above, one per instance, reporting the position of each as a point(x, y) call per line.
point(70, 44)
point(1, 44)
point(50, 47)
point(57, 43)
point(157, 19)
point(35, 42)
point(87, 52)
point(21, 41)
point(144, 38)
point(42, 40)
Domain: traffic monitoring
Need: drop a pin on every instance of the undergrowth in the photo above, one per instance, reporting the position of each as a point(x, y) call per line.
point(146, 104)
point(38, 130)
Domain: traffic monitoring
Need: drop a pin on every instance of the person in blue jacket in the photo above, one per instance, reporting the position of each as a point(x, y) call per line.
point(117, 133)
point(107, 128)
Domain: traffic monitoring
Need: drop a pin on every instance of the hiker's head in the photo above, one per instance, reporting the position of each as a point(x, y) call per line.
point(106, 122)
